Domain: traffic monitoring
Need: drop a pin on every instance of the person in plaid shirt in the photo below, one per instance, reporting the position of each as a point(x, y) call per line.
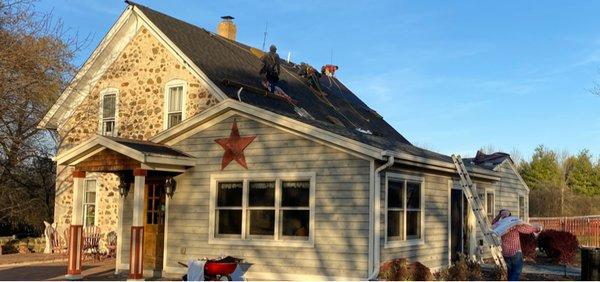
point(511, 245)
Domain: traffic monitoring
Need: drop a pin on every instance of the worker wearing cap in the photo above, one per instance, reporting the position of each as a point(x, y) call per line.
point(271, 68)
point(511, 245)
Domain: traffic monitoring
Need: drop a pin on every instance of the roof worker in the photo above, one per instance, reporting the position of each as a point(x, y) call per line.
point(271, 68)
point(509, 228)
point(310, 74)
point(329, 70)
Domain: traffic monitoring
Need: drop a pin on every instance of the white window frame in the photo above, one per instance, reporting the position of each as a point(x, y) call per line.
point(525, 205)
point(108, 91)
point(168, 86)
point(412, 178)
point(244, 238)
point(84, 204)
point(490, 212)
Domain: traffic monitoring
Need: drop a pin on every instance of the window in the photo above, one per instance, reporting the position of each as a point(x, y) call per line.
point(482, 198)
point(108, 114)
point(174, 103)
point(89, 203)
point(404, 204)
point(521, 207)
point(490, 205)
point(263, 208)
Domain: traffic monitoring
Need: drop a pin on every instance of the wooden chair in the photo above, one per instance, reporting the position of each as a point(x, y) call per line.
point(56, 243)
point(111, 244)
point(66, 236)
point(91, 241)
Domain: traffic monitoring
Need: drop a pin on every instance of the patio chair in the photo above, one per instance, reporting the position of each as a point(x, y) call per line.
point(66, 235)
point(111, 244)
point(91, 241)
point(55, 242)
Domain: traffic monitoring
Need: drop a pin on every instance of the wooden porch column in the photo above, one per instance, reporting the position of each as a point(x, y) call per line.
point(136, 249)
point(76, 230)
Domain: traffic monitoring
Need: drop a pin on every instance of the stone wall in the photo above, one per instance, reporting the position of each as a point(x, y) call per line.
point(140, 73)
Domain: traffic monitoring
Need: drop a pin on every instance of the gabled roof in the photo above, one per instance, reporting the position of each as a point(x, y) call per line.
point(148, 147)
point(489, 161)
point(213, 59)
point(222, 59)
point(147, 153)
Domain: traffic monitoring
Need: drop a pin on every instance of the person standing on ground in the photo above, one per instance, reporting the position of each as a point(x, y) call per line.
point(511, 245)
point(271, 67)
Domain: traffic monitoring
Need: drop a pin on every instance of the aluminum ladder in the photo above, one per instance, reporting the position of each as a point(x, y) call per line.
point(476, 205)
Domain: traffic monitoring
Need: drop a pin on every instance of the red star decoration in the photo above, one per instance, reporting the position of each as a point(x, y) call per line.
point(234, 147)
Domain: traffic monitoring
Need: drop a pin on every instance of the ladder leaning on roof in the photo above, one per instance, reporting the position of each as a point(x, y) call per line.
point(477, 207)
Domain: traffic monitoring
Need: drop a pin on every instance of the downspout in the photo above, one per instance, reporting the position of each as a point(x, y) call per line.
point(377, 218)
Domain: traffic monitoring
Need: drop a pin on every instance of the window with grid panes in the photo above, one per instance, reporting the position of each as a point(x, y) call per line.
point(89, 203)
point(404, 210)
point(174, 105)
point(109, 109)
point(267, 215)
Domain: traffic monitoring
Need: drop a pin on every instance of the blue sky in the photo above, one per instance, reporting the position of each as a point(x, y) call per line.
point(451, 76)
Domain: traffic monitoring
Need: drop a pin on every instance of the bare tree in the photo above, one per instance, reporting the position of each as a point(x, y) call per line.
point(35, 65)
point(595, 89)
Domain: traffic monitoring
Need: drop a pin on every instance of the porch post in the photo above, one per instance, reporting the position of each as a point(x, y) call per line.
point(136, 249)
point(76, 230)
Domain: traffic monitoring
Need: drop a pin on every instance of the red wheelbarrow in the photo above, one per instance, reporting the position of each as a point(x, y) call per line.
point(217, 269)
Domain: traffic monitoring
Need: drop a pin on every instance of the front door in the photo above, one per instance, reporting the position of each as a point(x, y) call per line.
point(154, 225)
point(458, 224)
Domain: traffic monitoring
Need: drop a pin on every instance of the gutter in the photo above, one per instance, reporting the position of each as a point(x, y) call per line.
point(376, 202)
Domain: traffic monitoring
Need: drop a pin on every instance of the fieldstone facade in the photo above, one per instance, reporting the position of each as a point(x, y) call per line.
point(139, 74)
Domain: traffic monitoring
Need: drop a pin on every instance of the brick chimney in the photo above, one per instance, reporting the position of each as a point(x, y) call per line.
point(227, 28)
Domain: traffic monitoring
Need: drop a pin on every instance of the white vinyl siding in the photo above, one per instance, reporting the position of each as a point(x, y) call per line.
point(340, 233)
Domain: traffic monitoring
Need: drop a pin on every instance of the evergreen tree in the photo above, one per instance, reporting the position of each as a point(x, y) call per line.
point(582, 176)
point(543, 170)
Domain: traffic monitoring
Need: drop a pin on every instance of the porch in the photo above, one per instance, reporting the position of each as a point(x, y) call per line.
point(146, 170)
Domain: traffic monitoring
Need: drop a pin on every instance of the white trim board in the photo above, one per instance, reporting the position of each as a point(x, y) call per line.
point(203, 121)
point(93, 145)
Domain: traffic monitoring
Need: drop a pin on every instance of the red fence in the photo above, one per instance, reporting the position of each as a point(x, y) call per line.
point(586, 228)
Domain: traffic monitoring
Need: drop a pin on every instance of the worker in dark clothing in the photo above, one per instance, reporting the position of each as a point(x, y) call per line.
point(271, 67)
point(311, 75)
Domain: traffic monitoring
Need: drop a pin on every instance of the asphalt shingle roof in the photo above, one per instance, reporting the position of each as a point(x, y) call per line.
point(489, 161)
point(148, 147)
point(220, 58)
